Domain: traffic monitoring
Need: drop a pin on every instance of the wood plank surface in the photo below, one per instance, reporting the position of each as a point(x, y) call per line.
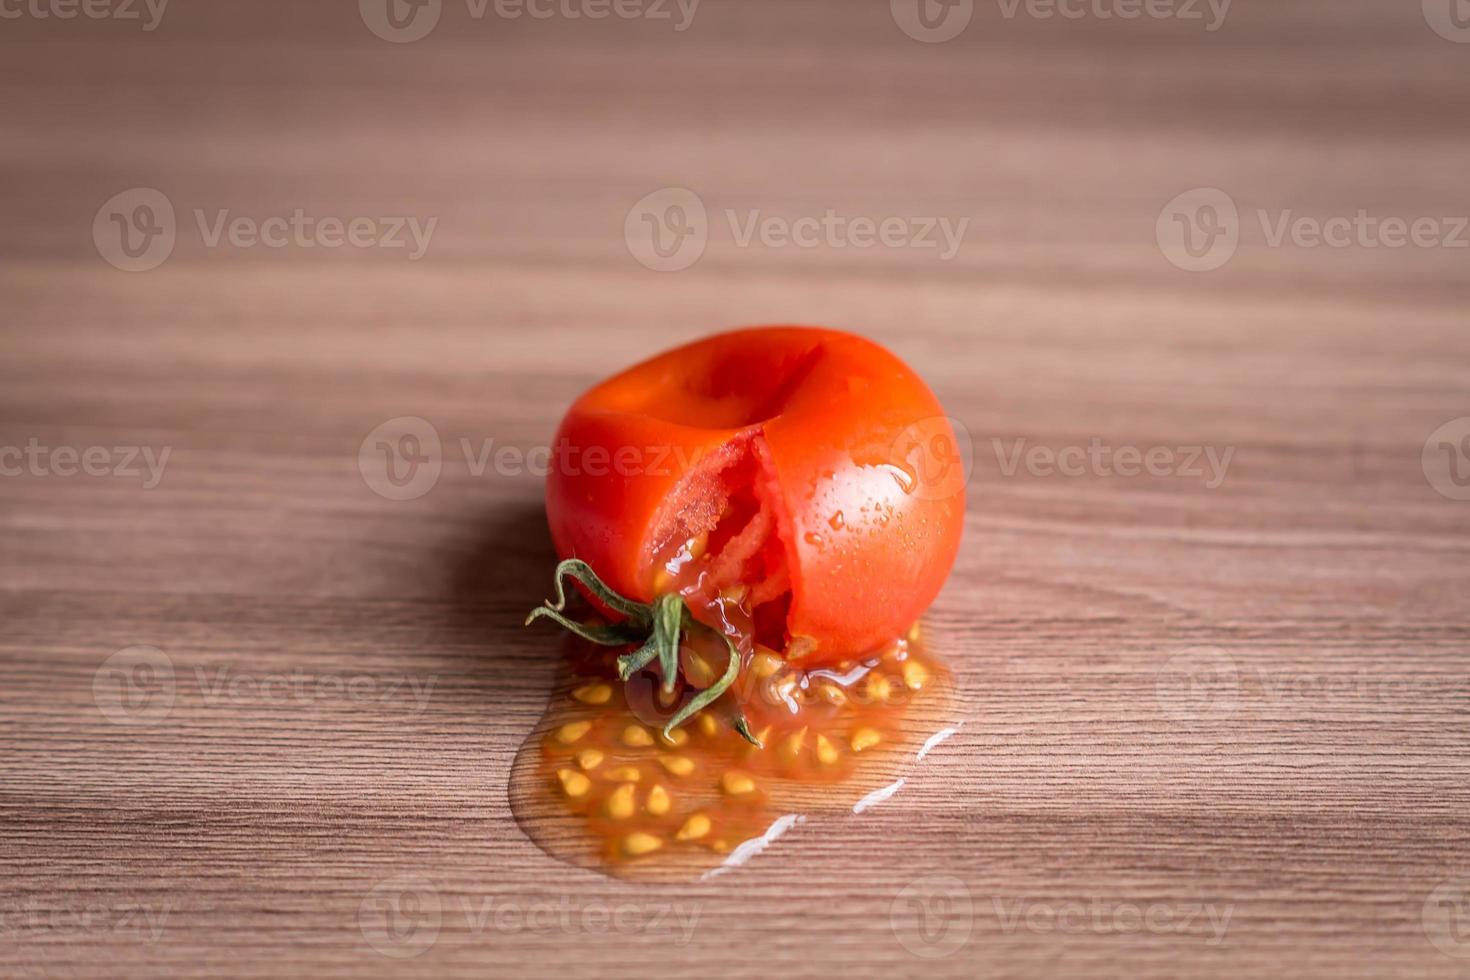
point(257, 718)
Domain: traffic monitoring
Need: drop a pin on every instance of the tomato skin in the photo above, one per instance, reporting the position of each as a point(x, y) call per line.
point(837, 422)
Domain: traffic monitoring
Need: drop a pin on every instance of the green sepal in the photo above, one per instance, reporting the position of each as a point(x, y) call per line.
point(631, 663)
point(637, 613)
point(608, 636)
point(668, 623)
point(710, 694)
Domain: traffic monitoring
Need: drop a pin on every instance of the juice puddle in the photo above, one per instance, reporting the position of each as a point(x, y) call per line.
point(597, 786)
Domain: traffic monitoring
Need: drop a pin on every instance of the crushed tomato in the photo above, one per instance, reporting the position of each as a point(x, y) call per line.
point(758, 519)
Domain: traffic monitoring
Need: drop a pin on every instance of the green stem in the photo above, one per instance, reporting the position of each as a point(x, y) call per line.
point(578, 569)
point(710, 694)
point(631, 663)
point(668, 623)
point(607, 636)
point(743, 727)
point(657, 628)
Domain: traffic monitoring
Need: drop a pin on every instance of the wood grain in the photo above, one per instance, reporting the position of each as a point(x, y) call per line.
point(1247, 700)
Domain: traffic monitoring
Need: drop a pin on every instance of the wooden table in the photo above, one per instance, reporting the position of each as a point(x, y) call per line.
point(256, 716)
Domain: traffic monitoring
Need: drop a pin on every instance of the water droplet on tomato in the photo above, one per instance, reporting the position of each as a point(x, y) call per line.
point(906, 478)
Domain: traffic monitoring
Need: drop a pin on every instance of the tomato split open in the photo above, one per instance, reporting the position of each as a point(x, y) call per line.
point(772, 487)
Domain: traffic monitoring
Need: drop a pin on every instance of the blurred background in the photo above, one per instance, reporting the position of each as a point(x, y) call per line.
point(505, 166)
point(252, 233)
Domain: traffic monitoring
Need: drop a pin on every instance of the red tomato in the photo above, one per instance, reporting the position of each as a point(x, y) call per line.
point(798, 484)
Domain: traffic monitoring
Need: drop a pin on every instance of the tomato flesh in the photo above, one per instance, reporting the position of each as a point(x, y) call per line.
point(768, 475)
